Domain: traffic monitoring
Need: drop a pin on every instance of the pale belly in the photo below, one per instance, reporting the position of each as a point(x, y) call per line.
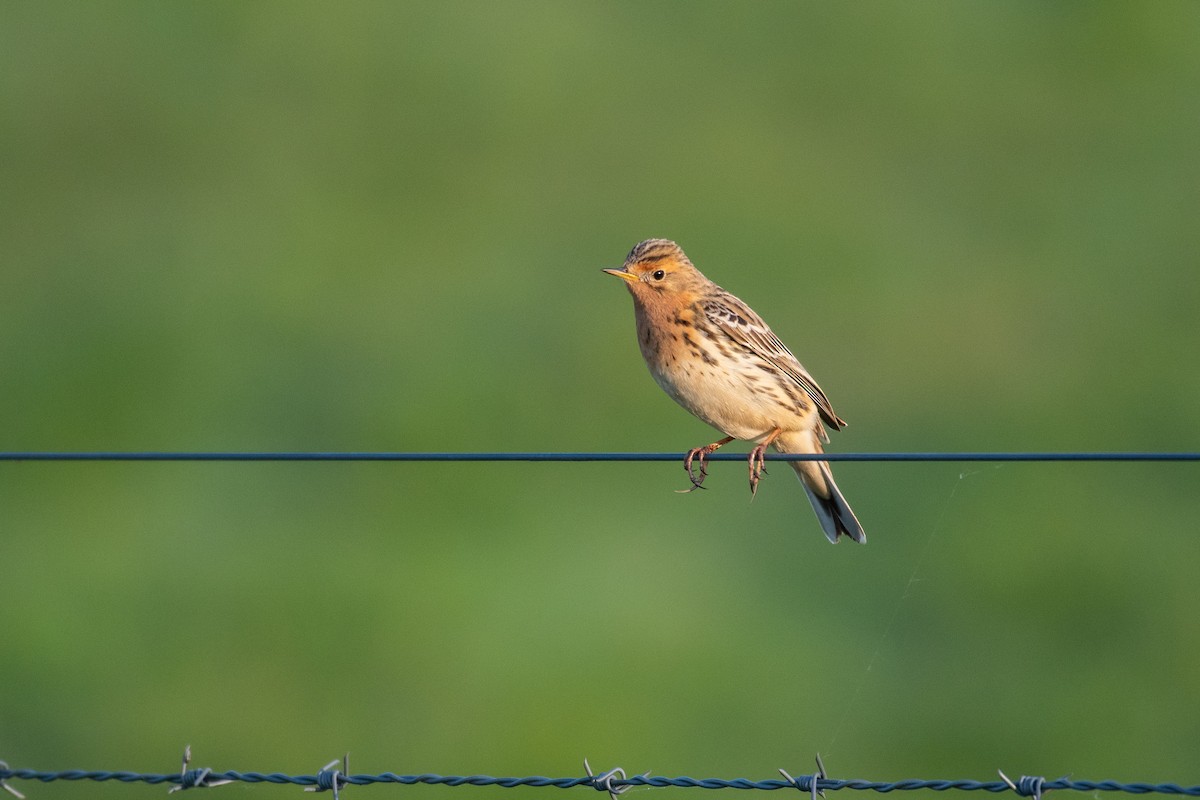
point(747, 403)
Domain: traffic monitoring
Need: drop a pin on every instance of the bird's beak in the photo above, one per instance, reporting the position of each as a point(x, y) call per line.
point(624, 274)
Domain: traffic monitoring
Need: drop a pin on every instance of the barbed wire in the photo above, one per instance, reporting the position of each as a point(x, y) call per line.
point(109, 455)
point(614, 781)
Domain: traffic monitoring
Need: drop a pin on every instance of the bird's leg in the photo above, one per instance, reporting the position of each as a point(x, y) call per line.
point(757, 461)
point(701, 453)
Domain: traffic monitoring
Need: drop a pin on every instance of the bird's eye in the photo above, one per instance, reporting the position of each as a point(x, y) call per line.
point(659, 275)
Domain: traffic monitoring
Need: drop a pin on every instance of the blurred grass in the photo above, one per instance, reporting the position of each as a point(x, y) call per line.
point(293, 226)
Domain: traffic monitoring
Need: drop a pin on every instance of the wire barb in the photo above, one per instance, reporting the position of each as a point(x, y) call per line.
point(1027, 786)
point(195, 778)
point(809, 783)
point(604, 781)
point(5, 786)
point(330, 779)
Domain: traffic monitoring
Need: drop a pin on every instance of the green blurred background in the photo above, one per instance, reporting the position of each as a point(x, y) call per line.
point(373, 226)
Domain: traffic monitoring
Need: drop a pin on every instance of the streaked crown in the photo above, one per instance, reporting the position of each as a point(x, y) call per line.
point(653, 250)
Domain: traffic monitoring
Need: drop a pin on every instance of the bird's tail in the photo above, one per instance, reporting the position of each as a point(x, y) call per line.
point(832, 509)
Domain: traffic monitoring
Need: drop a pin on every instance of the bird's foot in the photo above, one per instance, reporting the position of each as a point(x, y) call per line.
point(758, 467)
point(757, 461)
point(699, 457)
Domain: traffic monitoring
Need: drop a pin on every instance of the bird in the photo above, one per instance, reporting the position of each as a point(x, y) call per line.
point(718, 359)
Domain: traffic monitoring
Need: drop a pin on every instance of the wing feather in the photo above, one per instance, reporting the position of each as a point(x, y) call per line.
point(739, 322)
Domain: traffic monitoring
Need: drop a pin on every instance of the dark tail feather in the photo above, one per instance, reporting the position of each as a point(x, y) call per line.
point(832, 510)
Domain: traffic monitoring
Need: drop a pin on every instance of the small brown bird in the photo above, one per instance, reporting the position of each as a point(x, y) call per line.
point(718, 359)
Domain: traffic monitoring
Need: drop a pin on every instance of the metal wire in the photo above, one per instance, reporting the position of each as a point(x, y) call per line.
point(612, 781)
point(108, 455)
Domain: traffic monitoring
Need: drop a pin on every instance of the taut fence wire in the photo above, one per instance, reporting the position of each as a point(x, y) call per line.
point(109, 455)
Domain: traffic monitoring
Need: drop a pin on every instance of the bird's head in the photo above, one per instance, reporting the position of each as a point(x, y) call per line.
point(657, 271)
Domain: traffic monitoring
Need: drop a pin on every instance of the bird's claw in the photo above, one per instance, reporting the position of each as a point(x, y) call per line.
point(702, 453)
point(758, 468)
point(695, 476)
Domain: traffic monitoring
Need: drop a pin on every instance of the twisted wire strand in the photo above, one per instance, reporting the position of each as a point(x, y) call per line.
point(822, 784)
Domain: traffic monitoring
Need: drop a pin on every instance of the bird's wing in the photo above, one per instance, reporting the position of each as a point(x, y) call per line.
point(743, 326)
